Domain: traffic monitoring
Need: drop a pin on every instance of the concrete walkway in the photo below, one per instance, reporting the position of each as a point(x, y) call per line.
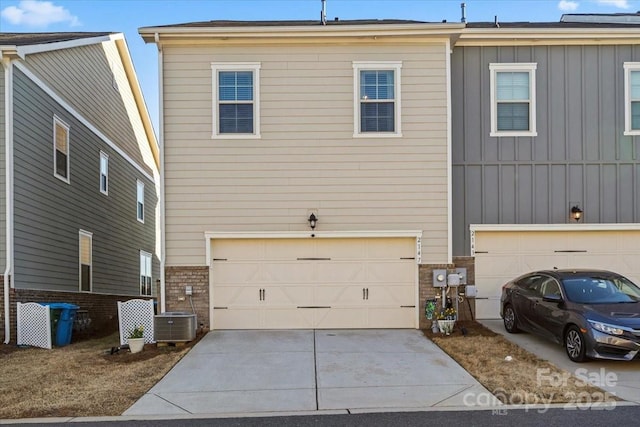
point(619, 378)
point(244, 372)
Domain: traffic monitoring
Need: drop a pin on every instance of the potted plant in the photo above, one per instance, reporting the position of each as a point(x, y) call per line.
point(136, 339)
point(447, 320)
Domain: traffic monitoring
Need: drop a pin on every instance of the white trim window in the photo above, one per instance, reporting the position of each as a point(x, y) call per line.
point(140, 200)
point(145, 273)
point(104, 173)
point(376, 100)
point(85, 261)
point(632, 98)
point(513, 99)
point(60, 149)
point(236, 106)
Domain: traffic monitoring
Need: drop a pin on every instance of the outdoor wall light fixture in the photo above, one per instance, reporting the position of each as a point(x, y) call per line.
point(576, 213)
point(313, 220)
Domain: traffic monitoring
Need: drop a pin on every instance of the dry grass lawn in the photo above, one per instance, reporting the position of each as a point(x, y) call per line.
point(482, 353)
point(81, 379)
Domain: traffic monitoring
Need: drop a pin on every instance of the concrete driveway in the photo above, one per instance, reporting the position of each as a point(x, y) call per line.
point(242, 372)
point(620, 378)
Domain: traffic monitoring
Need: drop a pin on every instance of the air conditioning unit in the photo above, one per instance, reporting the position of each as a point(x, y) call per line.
point(174, 326)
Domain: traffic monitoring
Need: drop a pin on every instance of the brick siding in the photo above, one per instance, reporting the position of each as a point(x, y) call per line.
point(176, 280)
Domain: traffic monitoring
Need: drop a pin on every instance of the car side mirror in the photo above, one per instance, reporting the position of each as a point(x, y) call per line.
point(552, 298)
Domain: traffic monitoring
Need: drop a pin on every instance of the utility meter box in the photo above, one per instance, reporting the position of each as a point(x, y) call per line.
point(471, 291)
point(453, 279)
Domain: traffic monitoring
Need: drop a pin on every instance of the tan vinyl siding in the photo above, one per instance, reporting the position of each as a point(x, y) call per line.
point(307, 158)
point(75, 72)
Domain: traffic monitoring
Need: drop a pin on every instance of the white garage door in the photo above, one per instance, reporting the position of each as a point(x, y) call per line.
point(503, 255)
point(313, 283)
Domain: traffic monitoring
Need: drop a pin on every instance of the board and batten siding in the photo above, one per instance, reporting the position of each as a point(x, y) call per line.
point(3, 193)
point(49, 212)
point(580, 155)
point(92, 79)
point(307, 158)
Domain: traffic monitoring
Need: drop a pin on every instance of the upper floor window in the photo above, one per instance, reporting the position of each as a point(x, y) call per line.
point(632, 98)
point(513, 101)
point(60, 149)
point(140, 201)
point(376, 98)
point(236, 112)
point(104, 173)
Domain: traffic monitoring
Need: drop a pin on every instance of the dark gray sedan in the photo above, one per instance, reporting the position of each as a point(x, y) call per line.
point(592, 313)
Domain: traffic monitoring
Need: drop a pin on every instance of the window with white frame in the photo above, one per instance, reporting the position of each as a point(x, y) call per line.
point(86, 260)
point(377, 98)
point(140, 200)
point(513, 106)
point(104, 173)
point(60, 149)
point(236, 106)
point(145, 273)
point(632, 98)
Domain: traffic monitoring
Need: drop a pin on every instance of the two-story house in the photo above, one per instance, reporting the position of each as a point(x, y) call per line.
point(324, 176)
point(78, 176)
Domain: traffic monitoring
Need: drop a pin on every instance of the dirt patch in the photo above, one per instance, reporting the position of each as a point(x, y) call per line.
point(87, 378)
point(511, 373)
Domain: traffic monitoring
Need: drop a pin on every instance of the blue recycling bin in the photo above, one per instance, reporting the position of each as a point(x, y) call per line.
point(62, 316)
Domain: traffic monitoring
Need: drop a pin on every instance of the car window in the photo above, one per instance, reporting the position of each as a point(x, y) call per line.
point(595, 290)
point(627, 287)
point(533, 284)
point(551, 287)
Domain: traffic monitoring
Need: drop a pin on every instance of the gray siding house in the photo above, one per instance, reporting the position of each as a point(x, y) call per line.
point(78, 176)
point(546, 149)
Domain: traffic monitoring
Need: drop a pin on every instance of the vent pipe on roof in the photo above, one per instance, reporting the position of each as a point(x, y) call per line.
point(323, 13)
point(463, 7)
point(495, 21)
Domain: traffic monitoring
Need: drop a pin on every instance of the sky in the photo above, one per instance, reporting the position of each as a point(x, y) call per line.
point(126, 16)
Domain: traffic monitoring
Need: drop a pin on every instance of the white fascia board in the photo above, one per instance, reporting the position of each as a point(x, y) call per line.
point(555, 227)
point(47, 47)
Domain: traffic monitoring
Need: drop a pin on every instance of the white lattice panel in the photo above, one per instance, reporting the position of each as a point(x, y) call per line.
point(134, 313)
point(34, 325)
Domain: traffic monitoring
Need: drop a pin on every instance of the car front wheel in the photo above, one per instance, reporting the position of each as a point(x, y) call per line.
point(510, 321)
point(574, 344)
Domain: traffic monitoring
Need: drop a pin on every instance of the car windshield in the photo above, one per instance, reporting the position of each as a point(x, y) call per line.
point(601, 290)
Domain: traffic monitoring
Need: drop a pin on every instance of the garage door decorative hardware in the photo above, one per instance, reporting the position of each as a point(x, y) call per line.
point(262, 294)
point(314, 306)
point(408, 257)
point(570, 251)
point(220, 259)
point(313, 259)
point(220, 308)
point(407, 306)
point(365, 293)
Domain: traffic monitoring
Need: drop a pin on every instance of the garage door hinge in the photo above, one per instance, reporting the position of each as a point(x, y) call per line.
point(219, 259)
point(314, 306)
point(408, 257)
point(407, 306)
point(220, 308)
point(570, 251)
point(313, 259)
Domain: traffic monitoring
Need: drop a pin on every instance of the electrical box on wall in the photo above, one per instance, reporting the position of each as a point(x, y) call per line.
point(462, 272)
point(471, 291)
point(188, 290)
point(439, 278)
point(453, 279)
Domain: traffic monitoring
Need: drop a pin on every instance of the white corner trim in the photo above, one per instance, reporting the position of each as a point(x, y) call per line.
point(81, 119)
point(209, 235)
point(448, 53)
point(555, 227)
point(8, 158)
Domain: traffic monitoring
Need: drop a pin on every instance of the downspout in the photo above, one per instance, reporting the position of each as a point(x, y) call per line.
point(8, 161)
point(163, 305)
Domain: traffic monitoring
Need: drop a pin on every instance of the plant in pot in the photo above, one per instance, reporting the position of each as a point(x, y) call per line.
point(446, 320)
point(136, 339)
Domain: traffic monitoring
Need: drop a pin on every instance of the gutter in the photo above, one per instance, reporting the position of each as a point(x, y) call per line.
point(8, 159)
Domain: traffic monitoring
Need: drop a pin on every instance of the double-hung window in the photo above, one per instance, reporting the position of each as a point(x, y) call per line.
point(513, 106)
point(140, 201)
point(632, 98)
point(145, 273)
point(236, 106)
point(376, 99)
point(86, 260)
point(104, 173)
point(60, 149)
